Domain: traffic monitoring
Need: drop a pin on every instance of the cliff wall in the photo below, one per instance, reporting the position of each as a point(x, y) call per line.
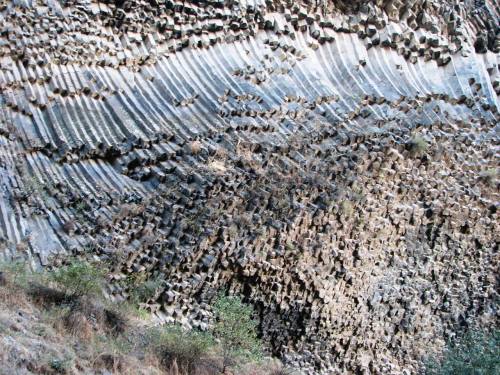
point(336, 163)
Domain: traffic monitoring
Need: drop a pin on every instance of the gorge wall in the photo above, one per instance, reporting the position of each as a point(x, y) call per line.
point(334, 162)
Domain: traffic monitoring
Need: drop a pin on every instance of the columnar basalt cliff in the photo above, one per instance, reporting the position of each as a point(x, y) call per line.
point(334, 162)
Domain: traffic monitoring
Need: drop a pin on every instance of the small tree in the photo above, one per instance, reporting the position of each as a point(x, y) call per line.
point(473, 353)
point(236, 331)
point(79, 279)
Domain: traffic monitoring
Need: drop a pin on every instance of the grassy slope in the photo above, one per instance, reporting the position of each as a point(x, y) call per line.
point(44, 330)
point(34, 340)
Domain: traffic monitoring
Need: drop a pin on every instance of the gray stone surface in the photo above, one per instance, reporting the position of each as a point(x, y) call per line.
point(336, 163)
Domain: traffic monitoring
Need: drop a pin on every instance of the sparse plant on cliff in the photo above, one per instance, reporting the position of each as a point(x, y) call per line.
point(141, 292)
point(473, 353)
point(195, 147)
point(346, 208)
point(81, 207)
point(418, 145)
point(236, 331)
point(489, 176)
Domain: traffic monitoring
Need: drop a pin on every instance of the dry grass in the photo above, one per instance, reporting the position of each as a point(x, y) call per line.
point(82, 316)
point(216, 163)
point(12, 295)
point(218, 167)
point(45, 296)
point(195, 147)
point(111, 362)
point(175, 370)
point(221, 153)
point(129, 209)
point(78, 325)
point(269, 367)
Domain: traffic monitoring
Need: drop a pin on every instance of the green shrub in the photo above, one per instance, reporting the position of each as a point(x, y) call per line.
point(59, 366)
point(418, 145)
point(17, 272)
point(236, 331)
point(474, 353)
point(79, 279)
point(187, 348)
point(143, 291)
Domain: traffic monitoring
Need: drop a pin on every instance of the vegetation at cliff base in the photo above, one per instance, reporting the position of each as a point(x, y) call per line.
point(475, 352)
point(82, 332)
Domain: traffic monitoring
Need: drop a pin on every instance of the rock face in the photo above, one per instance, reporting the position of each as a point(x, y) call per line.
point(336, 163)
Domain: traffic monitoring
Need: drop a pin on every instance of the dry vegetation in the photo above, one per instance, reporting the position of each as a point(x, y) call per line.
point(58, 323)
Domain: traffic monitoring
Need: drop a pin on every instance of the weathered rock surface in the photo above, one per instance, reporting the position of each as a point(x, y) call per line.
point(334, 162)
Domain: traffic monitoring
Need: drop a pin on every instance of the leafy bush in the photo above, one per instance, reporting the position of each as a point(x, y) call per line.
point(145, 290)
point(236, 331)
point(474, 353)
point(186, 348)
point(60, 366)
point(79, 279)
point(418, 145)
